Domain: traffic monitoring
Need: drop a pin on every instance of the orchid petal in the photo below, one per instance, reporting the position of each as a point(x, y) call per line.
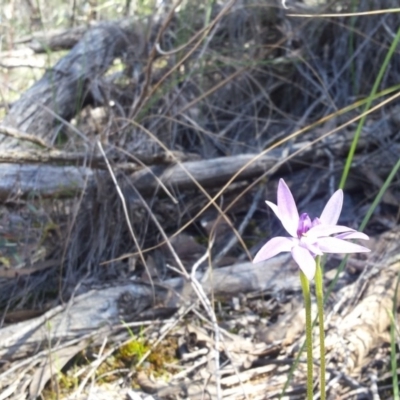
point(273, 247)
point(288, 213)
point(333, 208)
point(326, 230)
point(335, 245)
point(352, 235)
point(274, 208)
point(312, 247)
point(305, 261)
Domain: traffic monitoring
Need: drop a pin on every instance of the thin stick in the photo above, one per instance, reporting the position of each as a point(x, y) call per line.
point(16, 134)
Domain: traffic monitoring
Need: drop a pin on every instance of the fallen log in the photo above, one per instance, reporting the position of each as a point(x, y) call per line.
point(101, 309)
point(59, 180)
point(42, 180)
point(62, 91)
point(61, 39)
point(106, 305)
point(49, 180)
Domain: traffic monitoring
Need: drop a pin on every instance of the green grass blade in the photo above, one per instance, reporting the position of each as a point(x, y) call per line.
point(377, 82)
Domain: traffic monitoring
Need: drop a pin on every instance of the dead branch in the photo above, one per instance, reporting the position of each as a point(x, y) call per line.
point(16, 134)
point(56, 40)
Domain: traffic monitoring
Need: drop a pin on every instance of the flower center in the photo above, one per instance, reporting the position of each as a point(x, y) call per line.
point(305, 224)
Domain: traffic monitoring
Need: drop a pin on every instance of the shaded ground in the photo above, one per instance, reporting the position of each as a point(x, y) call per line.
point(145, 154)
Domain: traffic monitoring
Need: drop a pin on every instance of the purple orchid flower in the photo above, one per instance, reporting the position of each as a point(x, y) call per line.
point(309, 238)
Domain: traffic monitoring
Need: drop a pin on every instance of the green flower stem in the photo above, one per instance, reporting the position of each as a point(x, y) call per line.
point(320, 304)
point(305, 285)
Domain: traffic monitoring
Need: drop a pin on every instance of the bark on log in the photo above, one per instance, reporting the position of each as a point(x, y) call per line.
point(364, 325)
point(99, 307)
point(48, 180)
point(63, 89)
point(57, 40)
point(51, 180)
point(42, 180)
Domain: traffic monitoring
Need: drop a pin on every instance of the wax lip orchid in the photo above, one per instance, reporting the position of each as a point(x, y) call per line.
point(309, 238)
